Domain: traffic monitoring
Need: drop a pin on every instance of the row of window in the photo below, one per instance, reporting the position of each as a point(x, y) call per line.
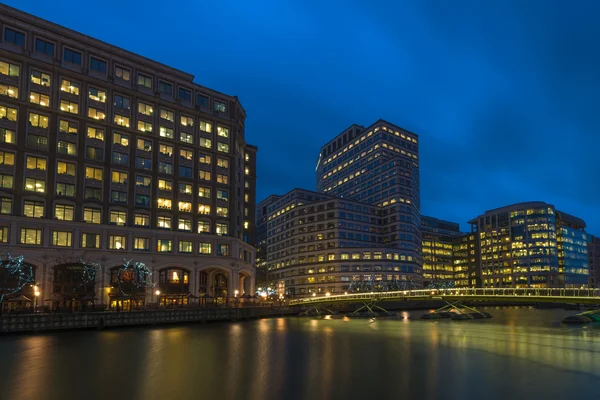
point(99, 66)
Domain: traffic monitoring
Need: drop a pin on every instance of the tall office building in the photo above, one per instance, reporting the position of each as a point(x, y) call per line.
point(261, 238)
point(594, 260)
point(106, 155)
point(466, 260)
point(531, 245)
point(438, 264)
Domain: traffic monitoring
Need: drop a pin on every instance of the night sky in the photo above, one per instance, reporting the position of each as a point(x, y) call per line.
point(503, 94)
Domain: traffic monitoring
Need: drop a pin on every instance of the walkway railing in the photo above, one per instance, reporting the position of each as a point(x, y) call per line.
point(567, 295)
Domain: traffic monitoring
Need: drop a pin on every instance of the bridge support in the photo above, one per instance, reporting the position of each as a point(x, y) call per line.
point(370, 309)
point(463, 312)
point(317, 310)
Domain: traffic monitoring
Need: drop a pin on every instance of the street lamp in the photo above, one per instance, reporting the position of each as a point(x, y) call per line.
point(157, 293)
point(37, 294)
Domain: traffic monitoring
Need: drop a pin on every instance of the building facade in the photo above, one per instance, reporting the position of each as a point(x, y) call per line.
point(466, 260)
point(531, 245)
point(438, 263)
point(108, 156)
point(261, 239)
point(594, 260)
point(319, 244)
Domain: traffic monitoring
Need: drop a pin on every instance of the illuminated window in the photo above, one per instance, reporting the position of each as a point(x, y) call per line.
point(69, 87)
point(222, 131)
point(165, 185)
point(7, 136)
point(144, 126)
point(204, 175)
point(185, 247)
point(8, 113)
point(95, 133)
point(186, 137)
point(224, 179)
point(205, 248)
point(142, 220)
point(38, 98)
point(3, 234)
point(220, 106)
point(144, 145)
point(31, 236)
point(61, 238)
point(92, 215)
point(205, 126)
point(222, 195)
point(224, 147)
point(90, 240)
point(164, 203)
point(118, 218)
point(10, 91)
point(186, 154)
point(8, 69)
point(93, 173)
point(185, 224)
point(40, 78)
point(6, 158)
point(222, 229)
point(222, 212)
point(167, 114)
point(67, 148)
point(166, 132)
point(164, 222)
point(222, 162)
point(65, 168)
point(187, 121)
point(63, 212)
point(96, 114)
point(65, 189)
point(121, 120)
point(185, 188)
point(145, 81)
point(145, 109)
point(246, 224)
point(119, 177)
point(204, 192)
point(204, 158)
point(122, 73)
point(33, 209)
point(121, 139)
point(203, 227)
point(205, 142)
point(223, 250)
point(67, 127)
point(116, 242)
point(204, 209)
point(185, 206)
point(141, 244)
point(143, 181)
point(5, 205)
point(36, 163)
point(38, 121)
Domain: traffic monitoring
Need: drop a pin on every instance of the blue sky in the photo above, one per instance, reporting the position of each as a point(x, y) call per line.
point(503, 94)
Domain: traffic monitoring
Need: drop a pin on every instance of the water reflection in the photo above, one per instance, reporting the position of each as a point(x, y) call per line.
point(311, 358)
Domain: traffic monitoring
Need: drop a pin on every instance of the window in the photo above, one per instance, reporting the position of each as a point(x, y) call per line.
point(186, 137)
point(69, 87)
point(8, 113)
point(143, 181)
point(222, 162)
point(31, 236)
point(42, 46)
point(96, 113)
point(90, 240)
point(203, 227)
point(185, 95)
point(164, 203)
point(224, 179)
point(92, 193)
point(205, 248)
point(144, 126)
point(202, 100)
point(38, 121)
point(122, 73)
point(186, 154)
point(7, 158)
point(165, 185)
point(120, 158)
point(204, 192)
point(94, 153)
point(142, 220)
point(205, 126)
point(3, 234)
point(63, 212)
point(166, 132)
point(185, 247)
point(141, 244)
point(203, 209)
point(185, 172)
point(120, 139)
point(142, 200)
point(6, 181)
point(220, 106)
point(7, 136)
point(144, 145)
point(65, 189)
point(165, 87)
point(187, 121)
point(97, 95)
point(164, 245)
point(8, 69)
point(185, 206)
point(119, 177)
point(224, 147)
point(33, 209)
point(61, 238)
point(5, 205)
point(121, 102)
point(65, 168)
point(35, 185)
point(98, 65)
point(223, 250)
point(67, 148)
point(204, 158)
point(167, 114)
point(116, 242)
point(222, 229)
point(67, 127)
point(93, 173)
point(36, 163)
point(222, 212)
point(10, 91)
point(117, 196)
point(222, 131)
point(40, 78)
point(14, 37)
point(38, 98)
point(145, 109)
point(95, 133)
point(118, 218)
point(185, 224)
point(223, 195)
point(72, 56)
point(205, 142)
point(145, 81)
point(165, 150)
point(165, 168)
point(121, 120)
point(69, 106)
point(143, 163)
point(204, 175)
point(184, 188)
point(164, 222)
point(91, 215)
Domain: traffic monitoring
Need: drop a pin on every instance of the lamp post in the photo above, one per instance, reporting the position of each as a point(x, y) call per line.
point(37, 294)
point(235, 294)
point(157, 293)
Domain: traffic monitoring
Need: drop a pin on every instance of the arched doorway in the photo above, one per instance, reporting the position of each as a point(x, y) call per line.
point(127, 290)
point(74, 286)
point(220, 283)
point(174, 286)
point(18, 286)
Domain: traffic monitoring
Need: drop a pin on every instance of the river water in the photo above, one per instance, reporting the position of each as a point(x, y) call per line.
point(522, 353)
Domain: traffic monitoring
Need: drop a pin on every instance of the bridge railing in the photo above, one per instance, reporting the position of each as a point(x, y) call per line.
point(462, 292)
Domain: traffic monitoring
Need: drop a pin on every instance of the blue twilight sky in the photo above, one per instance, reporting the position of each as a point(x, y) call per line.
point(504, 94)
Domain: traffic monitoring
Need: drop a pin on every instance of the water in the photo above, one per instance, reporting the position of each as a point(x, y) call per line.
point(521, 353)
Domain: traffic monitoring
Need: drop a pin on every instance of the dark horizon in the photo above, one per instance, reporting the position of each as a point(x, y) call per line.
point(502, 94)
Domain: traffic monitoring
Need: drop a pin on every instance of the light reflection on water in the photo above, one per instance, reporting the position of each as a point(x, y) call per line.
point(520, 353)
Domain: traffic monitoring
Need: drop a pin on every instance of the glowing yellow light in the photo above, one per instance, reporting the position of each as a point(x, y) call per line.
point(157, 292)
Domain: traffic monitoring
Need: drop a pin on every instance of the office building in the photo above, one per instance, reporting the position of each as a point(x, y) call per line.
point(594, 260)
point(108, 156)
point(466, 260)
point(438, 264)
